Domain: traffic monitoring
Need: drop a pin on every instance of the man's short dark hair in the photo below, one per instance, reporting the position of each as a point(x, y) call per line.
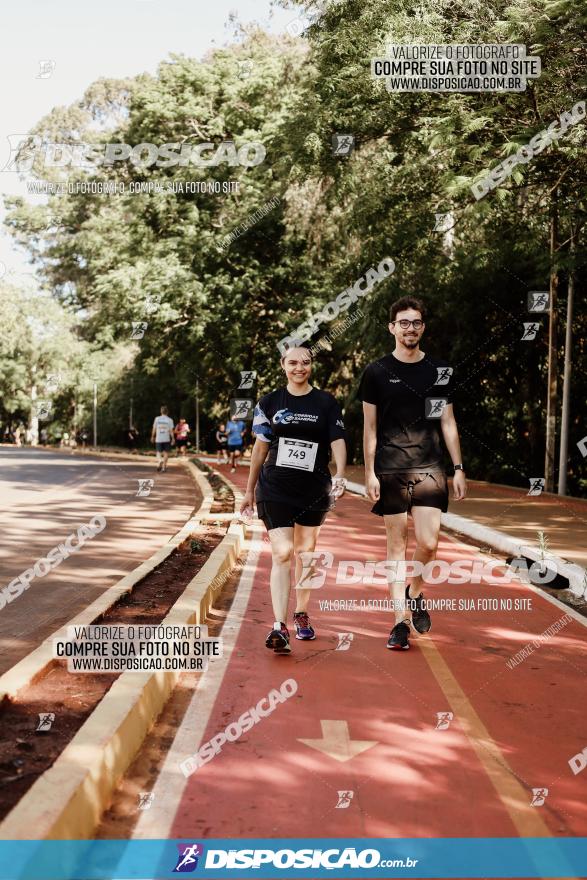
point(407, 302)
point(164, 410)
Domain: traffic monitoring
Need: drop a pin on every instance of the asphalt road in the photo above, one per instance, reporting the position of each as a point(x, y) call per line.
point(44, 497)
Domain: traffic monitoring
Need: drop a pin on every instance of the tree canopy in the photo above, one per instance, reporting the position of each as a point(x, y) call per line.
point(220, 277)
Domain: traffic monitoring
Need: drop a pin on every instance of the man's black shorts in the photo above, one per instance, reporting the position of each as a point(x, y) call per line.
point(403, 490)
point(282, 516)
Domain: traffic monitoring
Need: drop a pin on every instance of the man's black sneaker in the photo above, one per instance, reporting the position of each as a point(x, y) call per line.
point(420, 617)
point(398, 637)
point(278, 639)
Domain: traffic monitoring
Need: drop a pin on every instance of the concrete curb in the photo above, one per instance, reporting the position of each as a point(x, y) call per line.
point(68, 800)
point(33, 665)
point(506, 545)
point(509, 546)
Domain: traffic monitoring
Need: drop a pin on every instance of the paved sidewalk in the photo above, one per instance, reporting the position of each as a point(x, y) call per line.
point(444, 740)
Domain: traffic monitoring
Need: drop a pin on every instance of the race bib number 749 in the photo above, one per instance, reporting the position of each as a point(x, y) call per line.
point(298, 454)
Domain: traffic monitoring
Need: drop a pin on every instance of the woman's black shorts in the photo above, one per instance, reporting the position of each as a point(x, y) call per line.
point(276, 515)
point(403, 490)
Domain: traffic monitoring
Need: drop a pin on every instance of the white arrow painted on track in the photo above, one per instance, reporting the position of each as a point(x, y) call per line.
point(336, 741)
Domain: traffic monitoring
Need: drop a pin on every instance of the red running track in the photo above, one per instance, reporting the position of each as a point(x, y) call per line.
point(513, 729)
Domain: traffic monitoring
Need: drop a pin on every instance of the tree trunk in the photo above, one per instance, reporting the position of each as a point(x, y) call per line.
point(564, 447)
point(551, 397)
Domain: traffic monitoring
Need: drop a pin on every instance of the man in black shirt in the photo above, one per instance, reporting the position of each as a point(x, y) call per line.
point(407, 405)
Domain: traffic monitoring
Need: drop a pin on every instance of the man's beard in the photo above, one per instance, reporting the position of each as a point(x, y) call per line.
point(410, 343)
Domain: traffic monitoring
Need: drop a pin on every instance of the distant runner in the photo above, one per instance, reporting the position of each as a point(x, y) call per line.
point(162, 437)
point(295, 427)
point(132, 435)
point(235, 432)
point(221, 443)
point(181, 432)
point(407, 405)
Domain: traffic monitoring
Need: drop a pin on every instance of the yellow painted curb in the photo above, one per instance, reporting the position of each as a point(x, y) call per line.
point(31, 666)
point(68, 800)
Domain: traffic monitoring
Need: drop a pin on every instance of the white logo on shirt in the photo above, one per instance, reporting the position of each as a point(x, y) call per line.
point(283, 416)
point(394, 380)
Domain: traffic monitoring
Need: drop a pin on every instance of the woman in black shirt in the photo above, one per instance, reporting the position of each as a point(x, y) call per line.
point(295, 428)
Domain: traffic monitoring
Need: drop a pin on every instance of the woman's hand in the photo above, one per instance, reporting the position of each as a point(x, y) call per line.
point(247, 506)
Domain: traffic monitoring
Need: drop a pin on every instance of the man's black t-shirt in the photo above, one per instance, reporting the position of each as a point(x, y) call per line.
point(410, 398)
point(299, 429)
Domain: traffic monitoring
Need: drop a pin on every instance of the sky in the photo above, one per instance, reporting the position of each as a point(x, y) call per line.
point(87, 41)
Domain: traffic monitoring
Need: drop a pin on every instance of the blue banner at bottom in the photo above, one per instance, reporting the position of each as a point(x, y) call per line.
point(285, 858)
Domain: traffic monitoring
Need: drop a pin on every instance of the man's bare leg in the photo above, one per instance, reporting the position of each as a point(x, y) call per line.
point(427, 529)
point(396, 528)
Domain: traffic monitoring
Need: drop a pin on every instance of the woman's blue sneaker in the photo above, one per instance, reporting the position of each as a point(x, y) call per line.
point(304, 630)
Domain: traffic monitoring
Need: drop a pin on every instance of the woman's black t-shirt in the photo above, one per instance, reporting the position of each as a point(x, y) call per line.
point(410, 398)
point(299, 430)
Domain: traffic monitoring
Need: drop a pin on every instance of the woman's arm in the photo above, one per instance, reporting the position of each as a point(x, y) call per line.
point(258, 456)
point(338, 481)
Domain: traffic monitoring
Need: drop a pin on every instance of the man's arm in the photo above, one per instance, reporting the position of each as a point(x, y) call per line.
point(153, 431)
point(450, 433)
point(369, 448)
point(339, 454)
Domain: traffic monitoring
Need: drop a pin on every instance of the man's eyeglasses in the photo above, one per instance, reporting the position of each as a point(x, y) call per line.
point(404, 324)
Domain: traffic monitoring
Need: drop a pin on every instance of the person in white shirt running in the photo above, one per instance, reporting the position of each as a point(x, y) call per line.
point(162, 437)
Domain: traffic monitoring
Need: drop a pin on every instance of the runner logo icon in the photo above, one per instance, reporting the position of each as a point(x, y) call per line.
point(443, 720)
point(46, 719)
point(538, 796)
point(444, 374)
point(344, 800)
point(313, 574)
point(187, 860)
point(435, 407)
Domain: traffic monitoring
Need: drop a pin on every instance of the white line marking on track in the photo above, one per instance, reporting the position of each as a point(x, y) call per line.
point(170, 785)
